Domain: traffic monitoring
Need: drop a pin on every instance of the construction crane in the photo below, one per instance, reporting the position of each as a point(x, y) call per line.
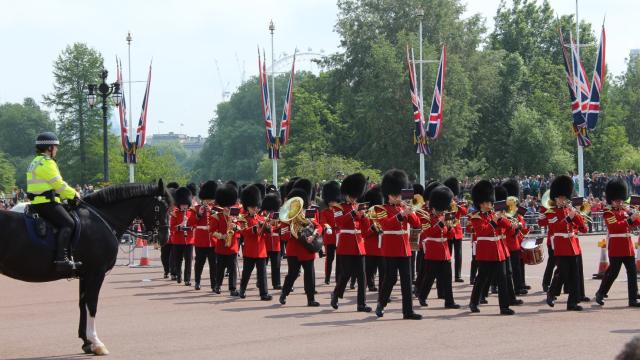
point(241, 69)
point(224, 87)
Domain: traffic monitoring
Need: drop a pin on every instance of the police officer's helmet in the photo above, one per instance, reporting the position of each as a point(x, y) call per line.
point(45, 140)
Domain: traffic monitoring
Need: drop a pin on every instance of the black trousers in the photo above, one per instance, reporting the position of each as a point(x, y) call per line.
point(413, 265)
point(351, 266)
point(247, 268)
point(57, 215)
point(516, 270)
point(165, 258)
point(230, 264)
point(568, 274)
point(486, 271)
point(393, 266)
point(437, 269)
point(455, 246)
point(181, 252)
point(548, 271)
point(474, 269)
point(275, 259)
point(373, 264)
point(293, 273)
point(615, 263)
point(328, 263)
point(204, 254)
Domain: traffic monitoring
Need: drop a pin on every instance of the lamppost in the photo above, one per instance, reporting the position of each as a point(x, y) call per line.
point(104, 90)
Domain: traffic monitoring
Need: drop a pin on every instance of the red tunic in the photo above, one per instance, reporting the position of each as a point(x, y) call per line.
point(515, 236)
point(218, 224)
point(327, 221)
point(181, 237)
point(435, 235)
point(371, 238)
point(457, 229)
point(395, 236)
point(254, 237)
point(296, 249)
point(619, 241)
point(272, 238)
point(203, 237)
point(489, 245)
point(349, 235)
point(562, 232)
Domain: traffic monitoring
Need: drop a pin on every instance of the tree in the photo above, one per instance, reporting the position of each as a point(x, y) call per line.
point(7, 171)
point(78, 127)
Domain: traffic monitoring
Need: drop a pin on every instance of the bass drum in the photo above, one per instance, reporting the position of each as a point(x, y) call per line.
point(532, 251)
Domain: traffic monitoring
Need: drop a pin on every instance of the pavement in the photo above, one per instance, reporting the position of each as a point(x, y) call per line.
point(143, 316)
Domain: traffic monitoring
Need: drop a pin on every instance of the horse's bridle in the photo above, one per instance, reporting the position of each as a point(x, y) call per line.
point(153, 234)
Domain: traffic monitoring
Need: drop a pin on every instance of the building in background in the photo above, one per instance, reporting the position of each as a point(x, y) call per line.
point(192, 144)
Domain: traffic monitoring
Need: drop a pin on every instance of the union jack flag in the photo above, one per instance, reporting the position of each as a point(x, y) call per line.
point(266, 103)
point(286, 111)
point(579, 122)
point(127, 146)
point(596, 85)
point(580, 80)
point(437, 104)
point(141, 131)
point(419, 135)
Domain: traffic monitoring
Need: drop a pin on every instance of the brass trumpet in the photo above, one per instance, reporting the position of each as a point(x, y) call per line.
point(375, 215)
point(417, 205)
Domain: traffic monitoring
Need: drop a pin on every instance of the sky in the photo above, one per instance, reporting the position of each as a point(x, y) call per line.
point(187, 38)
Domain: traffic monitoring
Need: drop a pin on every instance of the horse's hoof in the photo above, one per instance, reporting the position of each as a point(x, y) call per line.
point(100, 350)
point(86, 347)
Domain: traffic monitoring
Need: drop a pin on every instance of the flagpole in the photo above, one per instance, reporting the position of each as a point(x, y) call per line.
point(131, 128)
point(579, 97)
point(274, 120)
point(422, 159)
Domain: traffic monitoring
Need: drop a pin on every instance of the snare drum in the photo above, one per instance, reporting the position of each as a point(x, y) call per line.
point(532, 252)
point(414, 239)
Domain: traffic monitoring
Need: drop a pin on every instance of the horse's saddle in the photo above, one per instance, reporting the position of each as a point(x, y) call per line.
point(43, 232)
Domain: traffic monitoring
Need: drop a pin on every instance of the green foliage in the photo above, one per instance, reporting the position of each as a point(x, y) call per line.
point(79, 128)
point(7, 171)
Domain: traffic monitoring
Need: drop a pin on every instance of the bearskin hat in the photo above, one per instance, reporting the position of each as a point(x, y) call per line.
point(418, 189)
point(271, 202)
point(481, 192)
point(193, 188)
point(271, 189)
point(331, 192)
point(440, 198)
point(298, 192)
point(262, 188)
point(173, 185)
point(374, 196)
point(208, 190)
point(226, 195)
point(500, 193)
point(616, 189)
point(453, 184)
point(393, 182)
point(353, 185)
point(183, 196)
point(561, 186)
point(251, 197)
point(304, 184)
point(427, 191)
point(513, 188)
point(233, 183)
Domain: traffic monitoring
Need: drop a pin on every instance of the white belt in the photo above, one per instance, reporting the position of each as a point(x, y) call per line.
point(349, 231)
point(275, 234)
point(436, 239)
point(394, 232)
point(488, 238)
point(564, 235)
point(620, 235)
point(202, 227)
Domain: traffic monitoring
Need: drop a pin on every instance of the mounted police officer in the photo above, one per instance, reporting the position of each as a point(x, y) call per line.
point(46, 190)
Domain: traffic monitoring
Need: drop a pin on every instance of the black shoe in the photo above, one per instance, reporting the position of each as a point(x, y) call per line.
point(460, 280)
point(266, 297)
point(634, 304)
point(174, 278)
point(241, 294)
point(283, 299)
point(352, 286)
point(574, 308)
point(166, 276)
point(187, 283)
point(379, 310)
point(452, 306)
point(516, 302)
point(599, 299)
point(527, 287)
point(483, 301)
point(326, 282)
point(551, 300)
point(522, 292)
point(197, 286)
point(423, 302)
point(64, 266)
point(334, 300)
point(313, 303)
point(373, 289)
point(584, 299)
point(216, 290)
point(234, 293)
point(494, 289)
point(474, 308)
point(277, 287)
point(506, 311)
point(364, 308)
point(412, 316)
point(179, 280)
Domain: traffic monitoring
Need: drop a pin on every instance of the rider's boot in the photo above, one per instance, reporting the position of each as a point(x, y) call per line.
point(63, 262)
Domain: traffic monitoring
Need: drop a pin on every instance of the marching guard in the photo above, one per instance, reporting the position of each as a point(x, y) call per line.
point(331, 198)
point(456, 235)
point(270, 206)
point(373, 260)
point(183, 221)
point(205, 242)
point(223, 225)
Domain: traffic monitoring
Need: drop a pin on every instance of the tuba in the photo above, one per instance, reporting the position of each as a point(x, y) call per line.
point(292, 213)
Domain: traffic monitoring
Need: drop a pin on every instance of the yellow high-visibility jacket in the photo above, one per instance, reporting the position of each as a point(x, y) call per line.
point(42, 176)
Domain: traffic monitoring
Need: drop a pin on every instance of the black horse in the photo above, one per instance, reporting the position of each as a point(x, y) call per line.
point(104, 217)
